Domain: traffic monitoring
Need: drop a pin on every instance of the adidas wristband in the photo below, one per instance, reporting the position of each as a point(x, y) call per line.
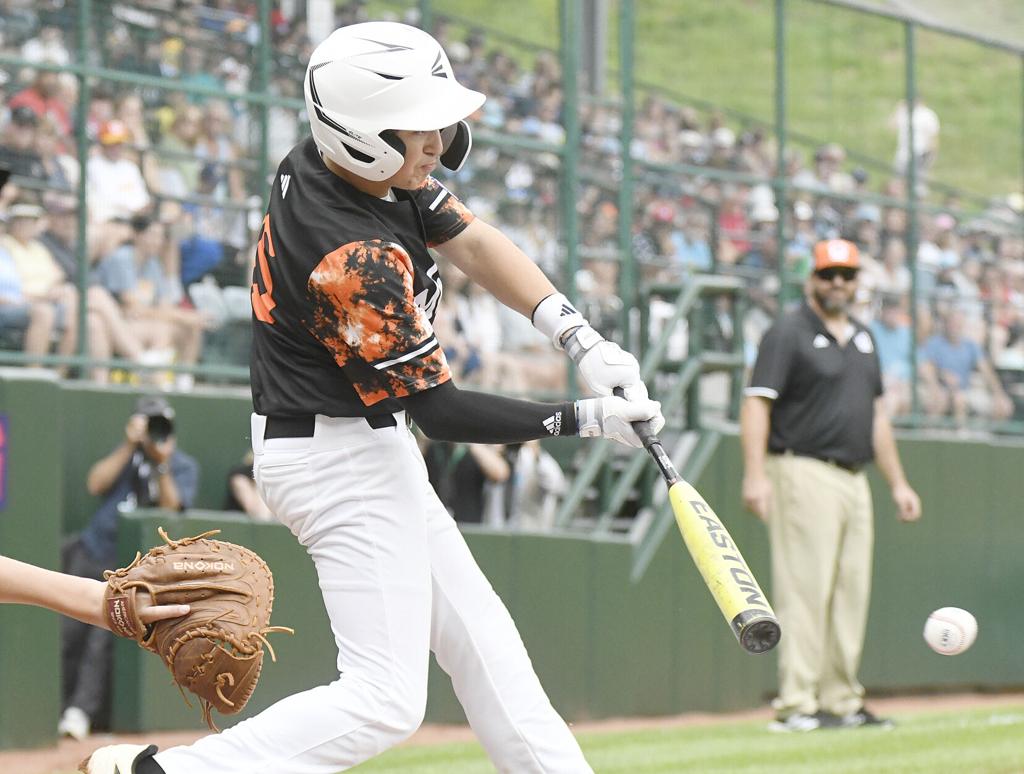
point(555, 316)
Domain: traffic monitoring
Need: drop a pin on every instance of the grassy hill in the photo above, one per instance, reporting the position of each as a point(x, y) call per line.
point(845, 70)
point(999, 20)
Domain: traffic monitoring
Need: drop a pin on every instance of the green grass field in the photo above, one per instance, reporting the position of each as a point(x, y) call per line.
point(979, 741)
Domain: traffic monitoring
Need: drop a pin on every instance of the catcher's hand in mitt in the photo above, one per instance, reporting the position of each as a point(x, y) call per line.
point(216, 649)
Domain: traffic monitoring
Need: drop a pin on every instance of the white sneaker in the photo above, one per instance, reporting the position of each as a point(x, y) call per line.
point(797, 722)
point(74, 723)
point(116, 759)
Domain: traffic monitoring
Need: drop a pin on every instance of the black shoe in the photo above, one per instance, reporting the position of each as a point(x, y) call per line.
point(865, 717)
point(828, 719)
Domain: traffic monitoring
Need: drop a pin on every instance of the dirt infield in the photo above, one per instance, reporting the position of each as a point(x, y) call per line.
point(66, 755)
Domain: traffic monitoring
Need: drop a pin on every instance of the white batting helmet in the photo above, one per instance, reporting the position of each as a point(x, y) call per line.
point(366, 79)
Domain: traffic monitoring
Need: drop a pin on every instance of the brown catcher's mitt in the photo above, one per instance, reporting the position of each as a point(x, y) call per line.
point(216, 650)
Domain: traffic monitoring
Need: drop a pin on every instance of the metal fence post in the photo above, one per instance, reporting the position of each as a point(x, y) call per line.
point(426, 15)
point(911, 197)
point(570, 158)
point(82, 146)
point(779, 183)
point(627, 264)
point(264, 108)
point(570, 44)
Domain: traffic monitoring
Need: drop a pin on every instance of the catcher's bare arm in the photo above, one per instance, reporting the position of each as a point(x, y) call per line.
point(79, 598)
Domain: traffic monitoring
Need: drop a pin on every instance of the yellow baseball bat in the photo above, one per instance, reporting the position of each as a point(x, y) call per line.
point(732, 584)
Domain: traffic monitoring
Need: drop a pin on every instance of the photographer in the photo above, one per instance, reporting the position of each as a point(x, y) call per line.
point(146, 470)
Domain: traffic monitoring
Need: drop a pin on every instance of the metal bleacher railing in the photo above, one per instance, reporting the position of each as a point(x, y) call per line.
point(676, 375)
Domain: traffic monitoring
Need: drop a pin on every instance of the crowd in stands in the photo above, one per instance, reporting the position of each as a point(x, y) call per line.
point(174, 190)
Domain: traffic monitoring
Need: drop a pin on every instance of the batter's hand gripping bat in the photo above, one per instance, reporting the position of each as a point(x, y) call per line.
point(716, 555)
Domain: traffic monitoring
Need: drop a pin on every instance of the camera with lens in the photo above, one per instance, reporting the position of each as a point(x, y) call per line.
point(159, 418)
point(159, 428)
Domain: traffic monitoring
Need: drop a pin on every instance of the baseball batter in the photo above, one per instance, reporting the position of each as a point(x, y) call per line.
point(344, 293)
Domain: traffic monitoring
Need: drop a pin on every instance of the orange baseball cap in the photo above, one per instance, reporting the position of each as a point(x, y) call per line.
point(113, 132)
point(836, 252)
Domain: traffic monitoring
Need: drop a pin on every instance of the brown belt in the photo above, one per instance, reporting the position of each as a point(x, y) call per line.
point(847, 466)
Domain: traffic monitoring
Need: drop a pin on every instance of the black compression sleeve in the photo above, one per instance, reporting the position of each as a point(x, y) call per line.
point(446, 413)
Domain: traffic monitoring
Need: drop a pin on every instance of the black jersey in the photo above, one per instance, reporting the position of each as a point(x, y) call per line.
point(344, 292)
point(823, 395)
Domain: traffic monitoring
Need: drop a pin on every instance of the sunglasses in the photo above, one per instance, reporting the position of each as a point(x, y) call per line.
point(829, 274)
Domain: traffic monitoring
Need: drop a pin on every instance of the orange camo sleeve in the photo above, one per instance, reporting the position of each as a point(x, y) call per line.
point(364, 310)
point(444, 215)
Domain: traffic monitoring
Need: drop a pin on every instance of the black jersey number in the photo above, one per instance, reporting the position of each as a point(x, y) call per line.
point(263, 303)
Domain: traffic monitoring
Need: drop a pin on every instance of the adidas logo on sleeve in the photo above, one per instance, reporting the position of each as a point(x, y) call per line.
point(553, 424)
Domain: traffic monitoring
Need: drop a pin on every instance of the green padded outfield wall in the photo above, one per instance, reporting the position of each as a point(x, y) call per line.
point(605, 647)
point(30, 474)
point(602, 645)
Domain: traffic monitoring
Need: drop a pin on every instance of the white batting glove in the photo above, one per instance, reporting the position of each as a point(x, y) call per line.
point(611, 417)
point(603, 364)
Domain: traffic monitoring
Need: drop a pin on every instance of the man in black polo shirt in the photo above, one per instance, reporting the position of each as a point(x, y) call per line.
point(811, 420)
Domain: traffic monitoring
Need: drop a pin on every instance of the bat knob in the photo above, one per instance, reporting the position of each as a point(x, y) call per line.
point(760, 636)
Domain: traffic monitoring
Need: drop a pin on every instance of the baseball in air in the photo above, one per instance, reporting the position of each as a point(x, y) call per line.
point(950, 630)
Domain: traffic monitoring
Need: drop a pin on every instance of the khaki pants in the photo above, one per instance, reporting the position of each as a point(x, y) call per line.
point(822, 532)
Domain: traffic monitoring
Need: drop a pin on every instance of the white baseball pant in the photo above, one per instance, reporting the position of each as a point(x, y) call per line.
point(397, 580)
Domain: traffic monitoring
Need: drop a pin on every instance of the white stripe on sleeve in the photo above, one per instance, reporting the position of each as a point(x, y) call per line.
point(439, 199)
point(427, 345)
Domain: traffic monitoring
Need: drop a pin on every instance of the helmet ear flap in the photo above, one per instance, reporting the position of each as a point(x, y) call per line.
point(390, 136)
point(456, 141)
